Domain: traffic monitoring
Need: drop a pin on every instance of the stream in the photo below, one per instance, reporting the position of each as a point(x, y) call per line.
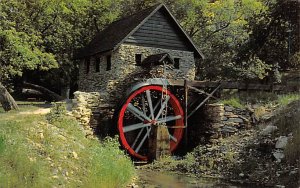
point(158, 179)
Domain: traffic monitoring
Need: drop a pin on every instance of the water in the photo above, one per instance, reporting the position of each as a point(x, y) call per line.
point(154, 179)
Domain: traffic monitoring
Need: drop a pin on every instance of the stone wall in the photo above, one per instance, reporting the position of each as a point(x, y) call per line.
point(94, 116)
point(86, 105)
point(226, 120)
point(113, 83)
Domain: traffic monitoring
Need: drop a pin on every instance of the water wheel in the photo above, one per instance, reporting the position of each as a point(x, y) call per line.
point(145, 107)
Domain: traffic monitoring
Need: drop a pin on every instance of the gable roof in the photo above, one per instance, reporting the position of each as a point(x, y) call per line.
point(117, 32)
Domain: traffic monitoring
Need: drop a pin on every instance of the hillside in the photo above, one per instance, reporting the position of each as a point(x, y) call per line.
point(37, 153)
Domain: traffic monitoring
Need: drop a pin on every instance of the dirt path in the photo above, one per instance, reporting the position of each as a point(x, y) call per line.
point(38, 111)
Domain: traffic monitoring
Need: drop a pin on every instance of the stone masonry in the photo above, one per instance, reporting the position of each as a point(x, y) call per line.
point(113, 83)
point(226, 120)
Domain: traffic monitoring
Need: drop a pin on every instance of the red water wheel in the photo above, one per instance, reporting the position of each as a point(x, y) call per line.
point(146, 107)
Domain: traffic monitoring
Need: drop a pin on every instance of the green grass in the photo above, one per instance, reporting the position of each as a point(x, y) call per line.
point(242, 99)
point(234, 102)
point(35, 153)
point(284, 100)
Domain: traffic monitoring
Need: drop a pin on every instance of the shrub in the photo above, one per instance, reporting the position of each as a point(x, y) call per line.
point(56, 112)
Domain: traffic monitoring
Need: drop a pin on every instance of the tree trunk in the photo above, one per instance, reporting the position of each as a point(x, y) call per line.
point(7, 101)
point(48, 94)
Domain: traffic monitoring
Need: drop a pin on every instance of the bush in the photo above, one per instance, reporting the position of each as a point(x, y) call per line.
point(56, 112)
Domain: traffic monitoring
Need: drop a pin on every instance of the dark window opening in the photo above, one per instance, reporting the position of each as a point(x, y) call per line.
point(138, 59)
point(108, 62)
point(98, 64)
point(176, 63)
point(87, 65)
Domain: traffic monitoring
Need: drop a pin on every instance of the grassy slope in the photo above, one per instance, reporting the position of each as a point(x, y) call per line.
point(34, 153)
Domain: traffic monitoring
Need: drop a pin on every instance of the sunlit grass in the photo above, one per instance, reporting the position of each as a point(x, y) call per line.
point(34, 153)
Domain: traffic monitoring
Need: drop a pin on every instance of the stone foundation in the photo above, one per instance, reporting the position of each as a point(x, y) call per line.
point(90, 112)
point(226, 120)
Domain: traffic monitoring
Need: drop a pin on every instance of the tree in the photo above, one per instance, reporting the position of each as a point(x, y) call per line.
point(41, 36)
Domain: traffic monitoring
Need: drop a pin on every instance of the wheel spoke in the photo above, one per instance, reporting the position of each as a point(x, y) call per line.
point(143, 103)
point(168, 118)
point(150, 103)
point(136, 115)
point(172, 137)
point(137, 137)
point(135, 126)
point(137, 112)
point(142, 141)
point(162, 107)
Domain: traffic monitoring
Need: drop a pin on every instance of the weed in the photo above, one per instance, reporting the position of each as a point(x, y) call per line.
point(234, 102)
point(57, 112)
point(284, 100)
point(2, 143)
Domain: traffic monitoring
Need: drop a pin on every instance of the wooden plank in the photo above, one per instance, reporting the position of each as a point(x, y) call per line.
point(204, 101)
point(158, 44)
point(154, 28)
point(157, 40)
point(159, 143)
point(157, 33)
point(154, 35)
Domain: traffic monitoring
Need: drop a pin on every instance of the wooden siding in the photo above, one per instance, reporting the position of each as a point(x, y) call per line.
point(160, 31)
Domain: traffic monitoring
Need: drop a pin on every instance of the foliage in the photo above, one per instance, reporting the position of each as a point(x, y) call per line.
point(57, 154)
point(42, 35)
point(284, 100)
point(234, 102)
point(56, 113)
point(245, 39)
point(295, 61)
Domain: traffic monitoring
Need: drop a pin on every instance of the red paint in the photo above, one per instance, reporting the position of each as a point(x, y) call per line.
point(178, 132)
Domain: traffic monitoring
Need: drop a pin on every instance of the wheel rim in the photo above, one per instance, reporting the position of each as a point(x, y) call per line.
point(143, 109)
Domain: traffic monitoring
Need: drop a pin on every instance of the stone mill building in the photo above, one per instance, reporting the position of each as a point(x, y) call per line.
point(149, 43)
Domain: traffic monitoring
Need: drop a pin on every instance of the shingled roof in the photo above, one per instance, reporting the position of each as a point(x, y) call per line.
point(117, 32)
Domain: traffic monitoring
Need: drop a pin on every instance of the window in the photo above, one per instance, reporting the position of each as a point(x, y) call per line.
point(108, 62)
point(138, 59)
point(97, 64)
point(176, 63)
point(87, 65)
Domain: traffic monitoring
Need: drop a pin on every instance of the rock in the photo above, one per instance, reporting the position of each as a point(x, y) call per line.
point(235, 120)
point(268, 130)
point(281, 142)
point(75, 155)
point(228, 108)
point(228, 129)
point(279, 155)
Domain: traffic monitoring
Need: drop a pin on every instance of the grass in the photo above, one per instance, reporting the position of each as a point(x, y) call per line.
point(242, 99)
point(234, 102)
point(284, 100)
point(35, 153)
